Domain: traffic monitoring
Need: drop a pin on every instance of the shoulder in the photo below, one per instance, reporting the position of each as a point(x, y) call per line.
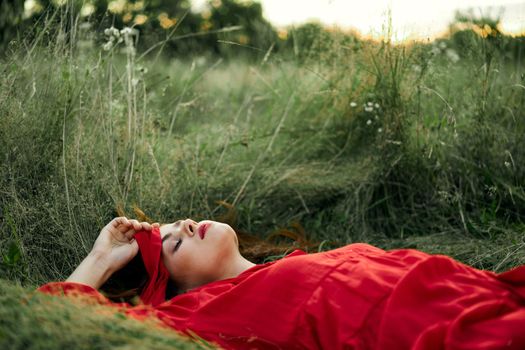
point(358, 248)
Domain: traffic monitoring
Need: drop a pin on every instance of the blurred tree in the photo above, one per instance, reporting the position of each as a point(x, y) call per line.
point(465, 41)
point(308, 40)
point(209, 30)
point(313, 41)
point(11, 16)
point(486, 25)
point(256, 31)
point(469, 33)
point(156, 20)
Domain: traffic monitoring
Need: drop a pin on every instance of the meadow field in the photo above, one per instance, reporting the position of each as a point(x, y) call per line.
point(415, 145)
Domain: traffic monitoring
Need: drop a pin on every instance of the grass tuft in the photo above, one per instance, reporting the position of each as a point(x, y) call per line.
point(417, 146)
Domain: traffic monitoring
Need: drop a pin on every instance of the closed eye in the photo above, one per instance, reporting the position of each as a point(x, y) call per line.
point(177, 245)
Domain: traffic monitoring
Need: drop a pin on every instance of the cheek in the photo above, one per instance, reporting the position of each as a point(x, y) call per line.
point(222, 248)
point(173, 263)
point(188, 263)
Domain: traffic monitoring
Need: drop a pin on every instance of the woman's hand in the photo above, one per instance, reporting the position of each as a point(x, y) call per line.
point(115, 243)
point(113, 249)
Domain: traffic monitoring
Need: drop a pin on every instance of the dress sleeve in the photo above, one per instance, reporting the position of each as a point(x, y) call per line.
point(77, 290)
point(89, 295)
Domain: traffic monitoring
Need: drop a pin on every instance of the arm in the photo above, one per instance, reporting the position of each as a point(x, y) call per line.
point(113, 249)
point(93, 271)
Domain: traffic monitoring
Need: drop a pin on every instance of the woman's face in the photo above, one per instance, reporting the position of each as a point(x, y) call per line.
point(197, 253)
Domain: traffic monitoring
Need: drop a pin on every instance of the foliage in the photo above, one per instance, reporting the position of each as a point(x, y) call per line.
point(157, 21)
point(342, 139)
point(10, 17)
point(470, 33)
point(31, 320)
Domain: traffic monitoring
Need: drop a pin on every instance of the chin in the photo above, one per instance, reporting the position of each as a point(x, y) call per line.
point(222, 226)
point(229, 232)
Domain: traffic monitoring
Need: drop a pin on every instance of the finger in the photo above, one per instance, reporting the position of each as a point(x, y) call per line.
point(125, 226)
point(130, 235)
point(146, 226)
point(121, 220)
point(155, 224)
point(136, 225)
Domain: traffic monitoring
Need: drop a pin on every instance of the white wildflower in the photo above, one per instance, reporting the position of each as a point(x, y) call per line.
point(353, 104)
point(112, 32)
point(87, 10)
point(368, 122)
point(444, 196)
point(126, 31)
point(452, 55)
point(113, 37)
point(370, 104)
point(369, 109)
point(507, 164)
point(491, 190)
point(376, 105)
point(380, 130)
point(128, 34)
point(108, 46)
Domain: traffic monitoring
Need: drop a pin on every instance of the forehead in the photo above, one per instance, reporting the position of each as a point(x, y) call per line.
point(169, 229)
point(164, 229)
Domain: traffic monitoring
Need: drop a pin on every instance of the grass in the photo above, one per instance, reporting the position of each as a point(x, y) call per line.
point(32, 320)
point(398, 146)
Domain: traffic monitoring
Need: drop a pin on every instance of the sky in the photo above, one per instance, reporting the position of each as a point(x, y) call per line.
point(411, 19)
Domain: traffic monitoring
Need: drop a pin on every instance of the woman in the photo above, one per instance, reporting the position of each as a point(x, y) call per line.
point(354, 297)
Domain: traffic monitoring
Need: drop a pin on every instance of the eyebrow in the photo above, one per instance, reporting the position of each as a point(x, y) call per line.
point(166, 236)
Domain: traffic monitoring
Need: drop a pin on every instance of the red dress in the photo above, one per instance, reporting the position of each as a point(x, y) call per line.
point(354, 297)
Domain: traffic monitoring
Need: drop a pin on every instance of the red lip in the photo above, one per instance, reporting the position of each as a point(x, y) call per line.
point(202, 230)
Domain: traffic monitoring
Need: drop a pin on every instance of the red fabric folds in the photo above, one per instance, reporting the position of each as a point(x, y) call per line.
point(76, 290)
point(354, 297)
point(150, 247)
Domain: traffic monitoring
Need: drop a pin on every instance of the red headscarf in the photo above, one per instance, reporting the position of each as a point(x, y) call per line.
point(150, 247)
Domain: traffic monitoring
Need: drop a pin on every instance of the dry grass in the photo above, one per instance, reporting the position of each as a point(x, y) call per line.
point(396, 146)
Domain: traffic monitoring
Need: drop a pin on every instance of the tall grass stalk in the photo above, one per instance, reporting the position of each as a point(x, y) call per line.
point(399, 146)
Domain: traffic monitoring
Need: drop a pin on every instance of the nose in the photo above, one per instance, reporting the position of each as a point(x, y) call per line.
point(190, 227)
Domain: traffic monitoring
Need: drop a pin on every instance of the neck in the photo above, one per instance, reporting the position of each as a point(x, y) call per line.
point(237, 267)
